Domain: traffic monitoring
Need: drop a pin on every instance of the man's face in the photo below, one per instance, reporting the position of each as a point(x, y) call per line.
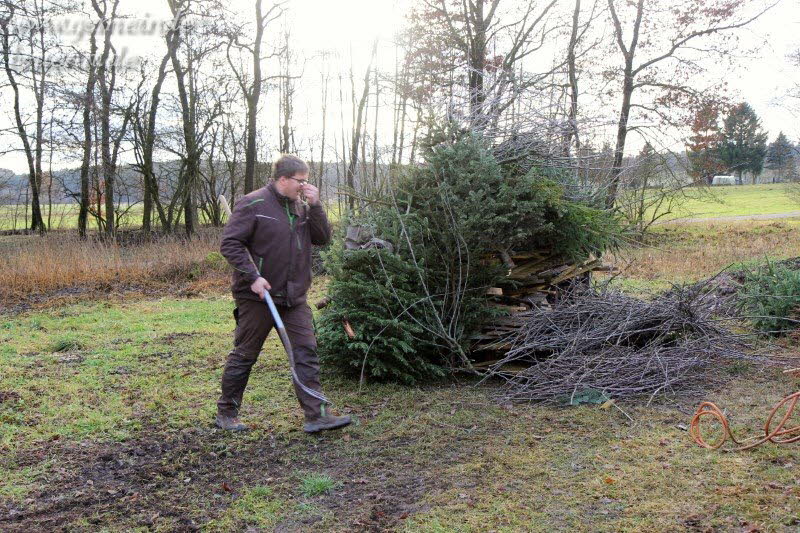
point(294, 185)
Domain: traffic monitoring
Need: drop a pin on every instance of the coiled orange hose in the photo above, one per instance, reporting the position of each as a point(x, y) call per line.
point(778, 435)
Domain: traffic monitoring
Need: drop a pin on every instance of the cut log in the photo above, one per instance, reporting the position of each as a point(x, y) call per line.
point(533, 282)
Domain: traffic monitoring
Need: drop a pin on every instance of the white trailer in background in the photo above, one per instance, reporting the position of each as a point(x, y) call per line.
point(724, 180)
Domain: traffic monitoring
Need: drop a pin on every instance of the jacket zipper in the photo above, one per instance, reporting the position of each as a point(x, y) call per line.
point(291, 255)
point(292, 227)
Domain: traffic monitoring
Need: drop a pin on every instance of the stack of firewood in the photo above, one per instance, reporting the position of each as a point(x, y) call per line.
point(532, 283)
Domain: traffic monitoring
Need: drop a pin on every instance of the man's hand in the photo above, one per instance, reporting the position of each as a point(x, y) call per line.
point(311, 193)
point(259, 286)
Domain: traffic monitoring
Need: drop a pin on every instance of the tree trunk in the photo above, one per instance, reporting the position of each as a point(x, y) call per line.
point(321, 178)
point(375, 131)
point(252, 105)
point(105, 151)
point(190, 171)
point(627, 92)
point(39, 86)
point(477, 62)
point(106, 93)
point(572, 114)
point(622, 132)
point(148, 145)
point(353, 163)
point(286, 101)
point(88, 107)
point(37, 222)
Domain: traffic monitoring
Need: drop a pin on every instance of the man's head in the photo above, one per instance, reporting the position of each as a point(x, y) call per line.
point(290, 174)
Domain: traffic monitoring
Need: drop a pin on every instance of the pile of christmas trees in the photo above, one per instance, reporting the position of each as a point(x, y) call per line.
point(458, 243)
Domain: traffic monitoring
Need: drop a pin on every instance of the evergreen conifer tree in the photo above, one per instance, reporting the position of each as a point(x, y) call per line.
point(780, 157)
point(744, 143)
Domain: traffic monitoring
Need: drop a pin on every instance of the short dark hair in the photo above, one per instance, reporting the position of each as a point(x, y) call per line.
point(287, 166)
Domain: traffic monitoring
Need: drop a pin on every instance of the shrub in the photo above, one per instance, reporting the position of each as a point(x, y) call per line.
point(215, 261)
point(771, 296)
point(377, 293)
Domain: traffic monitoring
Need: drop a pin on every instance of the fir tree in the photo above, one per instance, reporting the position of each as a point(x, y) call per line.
point(780, 157)
point(744, 143)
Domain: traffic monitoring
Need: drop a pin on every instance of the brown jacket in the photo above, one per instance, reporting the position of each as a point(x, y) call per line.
point(260, 239)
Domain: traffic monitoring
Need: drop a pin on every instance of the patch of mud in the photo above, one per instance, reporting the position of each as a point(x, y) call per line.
point(173, 338)
point(8, 396)
point(183, 479)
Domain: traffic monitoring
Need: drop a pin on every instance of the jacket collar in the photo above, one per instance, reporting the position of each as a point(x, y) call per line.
point(281, 198)
point(295, 206)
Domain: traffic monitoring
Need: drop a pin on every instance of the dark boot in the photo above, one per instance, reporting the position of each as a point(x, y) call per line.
point(230, 423)
point(325, 422)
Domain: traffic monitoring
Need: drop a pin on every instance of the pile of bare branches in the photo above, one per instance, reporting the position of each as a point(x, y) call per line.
point(615, 346)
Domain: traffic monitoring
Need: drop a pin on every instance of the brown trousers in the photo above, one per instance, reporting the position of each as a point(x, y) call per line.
point(253, 324)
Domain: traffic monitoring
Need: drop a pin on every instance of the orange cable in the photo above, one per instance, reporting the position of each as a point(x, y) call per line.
point(772, 435)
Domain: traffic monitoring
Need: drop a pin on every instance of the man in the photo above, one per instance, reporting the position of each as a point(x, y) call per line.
point(268, 242)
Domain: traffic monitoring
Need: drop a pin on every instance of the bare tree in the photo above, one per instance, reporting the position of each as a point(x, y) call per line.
point(193, 48)
point(474, 29)
point(106, 78)
point(88, 108)
point(221, 151)
point(654, 188)
point(286, 85)
point(398, 109)
point(251, 88)
point(325, 78)
point(578, 30)
point(16, 16)
point(358, 124)
point(145, 127)
point(664, 33)
point(232, 152)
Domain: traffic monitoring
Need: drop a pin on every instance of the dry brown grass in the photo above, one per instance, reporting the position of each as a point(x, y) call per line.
point(683, 253)
point(32, 264)
point(39, 265)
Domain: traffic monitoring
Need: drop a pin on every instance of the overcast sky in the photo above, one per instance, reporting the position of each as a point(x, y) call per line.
point(764, 80)
point(352, 25)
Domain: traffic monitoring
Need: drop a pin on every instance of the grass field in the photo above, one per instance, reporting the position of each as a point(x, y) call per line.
point(61, 217)
point(106, 424)
point(106, 407)
point(685, 253)
point(700, 203)
point(740, 200)
point(65, 217)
